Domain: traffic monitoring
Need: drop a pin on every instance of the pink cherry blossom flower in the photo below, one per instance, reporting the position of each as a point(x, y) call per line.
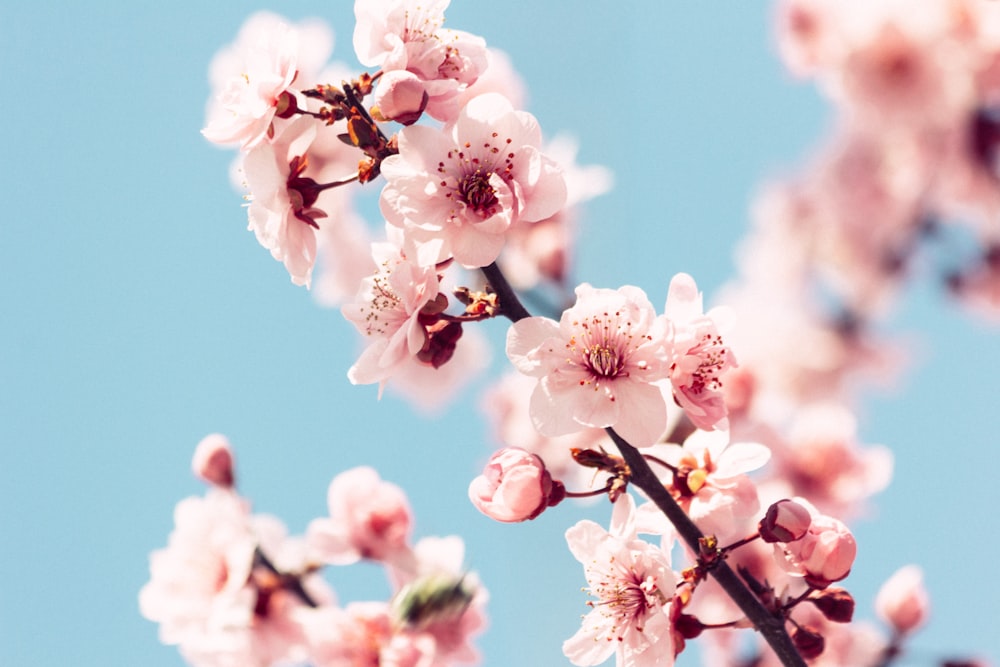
point(633, 584)
point(700, 357)
point(597, 366)
point(456, 191)
point(407, 35)
point(387, 311)
point(902, 602)
point(515, 486)
point(253, 97)
point(281, 209)
point(204, 592)
point(369, 518)
point(213, 461)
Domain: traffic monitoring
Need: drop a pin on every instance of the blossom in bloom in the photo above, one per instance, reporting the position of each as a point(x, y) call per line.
point(597, 366)
point(387, 312)
point(700, 357)
point(514, 486)
point(203, 593)
point(369, 518)
point(253, 96)
point(281, 209)
point(407, 35)
point(902, 602)
point(633, 584)
point(456, 191)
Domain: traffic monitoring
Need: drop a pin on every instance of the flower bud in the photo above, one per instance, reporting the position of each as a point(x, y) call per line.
point(902, 602)
point(213, 461)
point(834, 603)
point(785, 521)
point(809, 642)
point(514, 486)
point(401, 97)
point(823, 555)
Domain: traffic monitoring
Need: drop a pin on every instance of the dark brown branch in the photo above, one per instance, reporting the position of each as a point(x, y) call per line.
point(770, 626)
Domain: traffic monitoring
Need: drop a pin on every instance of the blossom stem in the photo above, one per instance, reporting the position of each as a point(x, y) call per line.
point(770, 625)
point(289, 582)
point(510, 305)
point(590, 494)
point(740, 543)
point(663, 463)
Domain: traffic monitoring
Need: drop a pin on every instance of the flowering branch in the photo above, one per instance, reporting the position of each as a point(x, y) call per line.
point(770, 626)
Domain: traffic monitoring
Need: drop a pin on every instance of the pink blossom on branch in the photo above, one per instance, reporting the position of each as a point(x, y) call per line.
point(456, 191)
point(902, 602)
point(633, 584)
point(387, 311)
point(281, 199)
point(253, 96)
point(700, 357)
point(598, 366)
point(407, 35)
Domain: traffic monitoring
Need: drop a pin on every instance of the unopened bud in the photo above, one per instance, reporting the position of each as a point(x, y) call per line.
point(835, 603)
point(785, 521)
point(515, 486)
point(213, 461)
point(401, 96)
point(809, 642)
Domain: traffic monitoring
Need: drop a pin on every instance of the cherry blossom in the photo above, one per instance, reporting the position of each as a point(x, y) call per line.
point(387, 311)
point(369, 518)
point(407, 35)
point(456, 191)
point(597, 366)
point(700, 357)
point(633, 584)
point(281, 202)
point(253, 96)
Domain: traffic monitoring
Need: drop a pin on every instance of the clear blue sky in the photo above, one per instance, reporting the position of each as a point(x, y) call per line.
point(140, 315)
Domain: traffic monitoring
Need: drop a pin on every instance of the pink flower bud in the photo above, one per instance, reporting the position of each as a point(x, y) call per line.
point(785, 521)
point(514, 486)
point(902, 602)
point(401, 96)
point(213, 461)
point(823, 555)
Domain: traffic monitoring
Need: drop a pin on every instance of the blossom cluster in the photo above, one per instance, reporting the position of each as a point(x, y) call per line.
point(726, 440)
point(233, 588)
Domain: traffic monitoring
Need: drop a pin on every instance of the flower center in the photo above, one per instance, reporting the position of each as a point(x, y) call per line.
point(477, 193)
point(605, 361)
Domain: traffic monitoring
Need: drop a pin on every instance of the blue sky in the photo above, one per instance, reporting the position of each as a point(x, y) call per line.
point(140, 315)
